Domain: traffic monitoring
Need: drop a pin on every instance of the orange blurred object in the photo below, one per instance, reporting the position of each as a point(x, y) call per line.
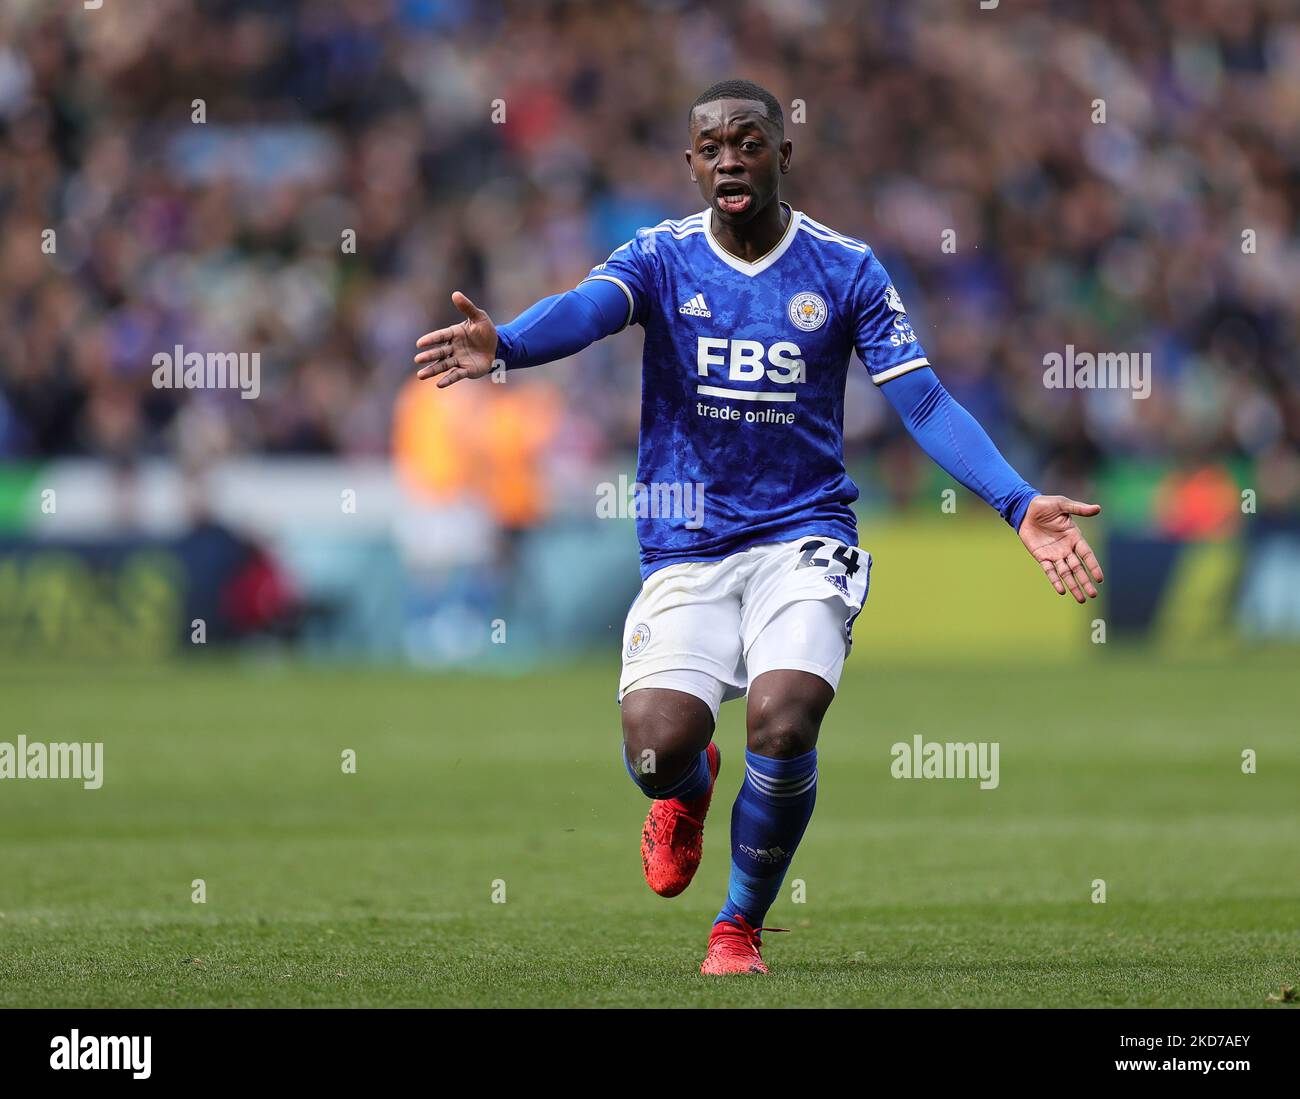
point(1203, 503)
point(479, 440)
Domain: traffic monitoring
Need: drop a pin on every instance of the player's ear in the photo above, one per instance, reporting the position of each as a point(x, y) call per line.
point(786, 150)
point(690, 166)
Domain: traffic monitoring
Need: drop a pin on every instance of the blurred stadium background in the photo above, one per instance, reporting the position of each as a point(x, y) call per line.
point(477, 505)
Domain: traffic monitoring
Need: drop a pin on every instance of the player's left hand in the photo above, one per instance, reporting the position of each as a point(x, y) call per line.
point(1058, 545)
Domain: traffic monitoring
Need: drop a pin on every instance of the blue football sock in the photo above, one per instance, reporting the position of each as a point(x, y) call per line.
point(767, 822)
point(693, 783)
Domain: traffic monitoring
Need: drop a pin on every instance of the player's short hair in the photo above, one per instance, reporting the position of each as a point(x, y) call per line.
point(742, 89)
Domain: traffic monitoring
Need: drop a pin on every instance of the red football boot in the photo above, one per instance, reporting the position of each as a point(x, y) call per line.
point(734, 947)
point(672, 838)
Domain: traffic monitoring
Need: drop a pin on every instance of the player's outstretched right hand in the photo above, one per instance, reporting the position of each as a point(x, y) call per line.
point(464, 350)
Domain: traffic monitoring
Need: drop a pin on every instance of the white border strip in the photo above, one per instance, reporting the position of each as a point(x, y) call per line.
point(895, 371)
point(743, 394)
point(763, 262)
point(631, 304)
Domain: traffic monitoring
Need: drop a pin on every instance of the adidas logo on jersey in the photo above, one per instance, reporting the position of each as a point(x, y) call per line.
point(695, 307)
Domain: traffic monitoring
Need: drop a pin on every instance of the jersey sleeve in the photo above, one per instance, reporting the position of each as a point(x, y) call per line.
point(631, 267)
point(953, 438)
point(882, 334)
point(562, 325)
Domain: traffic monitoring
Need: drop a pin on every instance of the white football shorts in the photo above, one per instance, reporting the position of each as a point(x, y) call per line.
point(710, 628)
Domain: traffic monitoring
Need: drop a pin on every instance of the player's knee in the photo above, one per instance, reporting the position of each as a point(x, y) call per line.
point(785, 727)
point(783, 735)
point(663, 734)
point(785, 713)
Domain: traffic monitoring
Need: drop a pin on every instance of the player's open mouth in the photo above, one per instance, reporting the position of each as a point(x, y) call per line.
point(734, 198)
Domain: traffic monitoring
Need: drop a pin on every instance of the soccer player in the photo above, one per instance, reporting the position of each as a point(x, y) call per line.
point(750, 311)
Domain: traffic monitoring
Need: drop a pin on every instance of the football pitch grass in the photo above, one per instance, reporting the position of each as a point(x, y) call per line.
point(377, 888)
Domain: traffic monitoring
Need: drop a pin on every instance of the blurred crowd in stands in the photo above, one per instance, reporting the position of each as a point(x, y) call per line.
point(310, 179)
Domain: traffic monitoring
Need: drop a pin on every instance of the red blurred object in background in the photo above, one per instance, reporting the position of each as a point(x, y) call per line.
point(1199, 504)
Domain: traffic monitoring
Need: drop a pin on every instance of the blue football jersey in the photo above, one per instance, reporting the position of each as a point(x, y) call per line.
point(742, 386)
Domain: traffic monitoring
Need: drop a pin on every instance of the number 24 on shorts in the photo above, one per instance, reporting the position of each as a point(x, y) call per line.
point(848, 556)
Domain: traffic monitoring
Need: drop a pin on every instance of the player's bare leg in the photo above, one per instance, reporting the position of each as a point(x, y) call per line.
point(784, 717)
point(667, 744)
point(784, 713)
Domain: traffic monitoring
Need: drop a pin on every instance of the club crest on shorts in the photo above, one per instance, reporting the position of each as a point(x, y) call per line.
point(807, 311)
point(638, 639)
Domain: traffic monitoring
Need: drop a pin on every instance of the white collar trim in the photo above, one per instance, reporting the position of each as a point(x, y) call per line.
point(763, 262)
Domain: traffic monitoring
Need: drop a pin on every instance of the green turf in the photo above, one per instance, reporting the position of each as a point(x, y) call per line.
point(376, 888)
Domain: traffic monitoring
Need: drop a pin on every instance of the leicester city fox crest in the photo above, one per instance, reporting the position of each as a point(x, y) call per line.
point(638, 639)
point(807, 311)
